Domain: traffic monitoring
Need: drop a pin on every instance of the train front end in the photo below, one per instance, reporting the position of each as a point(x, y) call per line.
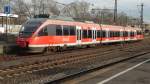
point(26, 34)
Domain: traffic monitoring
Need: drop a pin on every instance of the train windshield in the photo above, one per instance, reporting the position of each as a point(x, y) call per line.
point(29, 28)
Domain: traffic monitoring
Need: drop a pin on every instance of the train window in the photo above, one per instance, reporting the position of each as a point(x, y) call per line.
point(43, 32)
point(89, 33)
point(118, 34)
point(51, 30)
point(111, 34)
point(58, 30)
point(72, 30)
point(103, 33)
point(66, 30)
point(139, 33)
point(114, 34)
point(131, 33)
point(98, 33)
point(125, 33)
point(85, 34)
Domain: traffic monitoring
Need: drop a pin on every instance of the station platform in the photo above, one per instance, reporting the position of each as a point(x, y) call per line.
point(135, 71)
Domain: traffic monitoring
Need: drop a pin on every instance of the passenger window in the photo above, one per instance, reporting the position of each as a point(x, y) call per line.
point(43, 32)
point(98, 33)
point(58, 30)
point(84, 33)
point(66, 30)
point(111, 34)
point(89, 33)
point(125, 33)
point(72, 30)
point(103, 33)
point(51, 30)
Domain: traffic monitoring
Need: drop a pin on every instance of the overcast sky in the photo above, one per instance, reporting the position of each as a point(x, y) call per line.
point(128, 6)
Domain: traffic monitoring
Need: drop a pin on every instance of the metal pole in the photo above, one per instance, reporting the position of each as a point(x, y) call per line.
point(2, 21)
point(6, 26)
point(115, 12)
point(141, 22)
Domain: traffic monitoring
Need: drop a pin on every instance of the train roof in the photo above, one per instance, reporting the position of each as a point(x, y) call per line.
point(83, 24)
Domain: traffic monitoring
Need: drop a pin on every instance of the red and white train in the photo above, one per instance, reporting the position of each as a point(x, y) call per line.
point(37, 35)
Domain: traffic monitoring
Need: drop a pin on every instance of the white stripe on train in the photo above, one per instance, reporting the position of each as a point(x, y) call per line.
point(82, 43)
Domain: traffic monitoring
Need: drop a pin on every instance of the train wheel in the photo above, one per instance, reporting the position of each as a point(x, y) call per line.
point(64, 48)
point(47, 50)
point(59, 49)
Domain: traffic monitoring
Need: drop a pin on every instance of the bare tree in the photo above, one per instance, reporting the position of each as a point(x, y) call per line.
point(77, 9)
point(2, 4)
point(21, 7)
point(45, 7)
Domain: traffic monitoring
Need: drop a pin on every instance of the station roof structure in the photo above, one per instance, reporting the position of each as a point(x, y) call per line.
point(9, 15)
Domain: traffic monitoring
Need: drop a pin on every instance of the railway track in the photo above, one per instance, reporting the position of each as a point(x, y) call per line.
point(17, 71)
point(74, 75)
point(19, 56)
point(49, 64)
point(12, 73)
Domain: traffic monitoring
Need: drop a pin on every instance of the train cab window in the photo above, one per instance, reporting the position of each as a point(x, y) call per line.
point(66, 30)
point(43, 32)
point(89, 33)
point(72, 30)
point(58, 30)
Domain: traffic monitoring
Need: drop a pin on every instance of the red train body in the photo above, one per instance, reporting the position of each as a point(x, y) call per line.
point(38, 34)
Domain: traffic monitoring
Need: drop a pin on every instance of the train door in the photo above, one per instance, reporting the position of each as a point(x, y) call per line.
point(79, 35)
point(94, 35)
point(107, 35)
point(135, 34)
point(121, 35)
